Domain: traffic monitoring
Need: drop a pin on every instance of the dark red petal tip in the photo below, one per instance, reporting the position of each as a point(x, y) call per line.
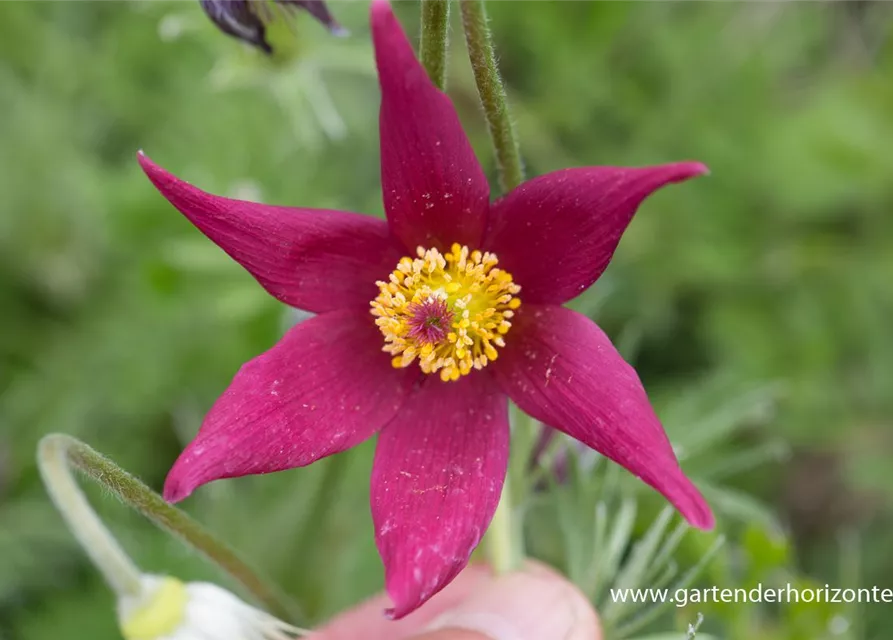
point(557, 233)
point(381, 9)
point(560, 368)
point(175, 491)
point(436, 480)
point(312, 259)
point(325, 387)
point(435, 192)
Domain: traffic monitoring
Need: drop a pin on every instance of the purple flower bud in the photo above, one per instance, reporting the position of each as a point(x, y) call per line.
point(247, 20)
point(558, 465)
point(559, 461)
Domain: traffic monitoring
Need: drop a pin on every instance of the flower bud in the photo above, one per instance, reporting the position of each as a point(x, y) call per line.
point(168, 609)
point(247, 20)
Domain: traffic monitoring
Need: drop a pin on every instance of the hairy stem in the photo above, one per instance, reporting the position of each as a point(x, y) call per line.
point(435, 40)
point(492, 93)
point(116, 567)
point(58, 454)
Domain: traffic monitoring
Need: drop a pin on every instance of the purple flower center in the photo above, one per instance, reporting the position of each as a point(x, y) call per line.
point(429, 321)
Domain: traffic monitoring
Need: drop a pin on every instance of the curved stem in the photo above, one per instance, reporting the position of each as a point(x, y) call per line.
point(119, 571)
point(435, 40)
point(58, 454)
point(492, 93)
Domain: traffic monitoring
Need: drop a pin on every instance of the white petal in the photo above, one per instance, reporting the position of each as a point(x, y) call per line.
point(208, 612)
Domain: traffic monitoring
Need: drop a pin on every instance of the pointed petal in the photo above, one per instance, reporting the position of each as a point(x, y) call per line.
point(560, 368)
point(434, 190)
point(319, 10)
point(557, 233)
point(436, 480)
point(325, 387)
point(312, 259)
point(238, 19)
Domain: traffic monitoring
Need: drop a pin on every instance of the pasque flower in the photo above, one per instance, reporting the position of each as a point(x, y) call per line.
point(247, 19)
point(465, 301)
point(168, 609)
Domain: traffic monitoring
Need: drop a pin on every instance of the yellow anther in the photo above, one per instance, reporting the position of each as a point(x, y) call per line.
point(448, 310)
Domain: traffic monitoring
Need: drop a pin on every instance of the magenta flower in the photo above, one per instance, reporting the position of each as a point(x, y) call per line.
point(459, 287)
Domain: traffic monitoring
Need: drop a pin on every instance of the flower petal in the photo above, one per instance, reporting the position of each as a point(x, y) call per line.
point(438, 473)
point(313, 259)
point(557, 233)
point(325, 387)
point(319, 10)
point(238, 19)
point(434, 190)
point(560, 368)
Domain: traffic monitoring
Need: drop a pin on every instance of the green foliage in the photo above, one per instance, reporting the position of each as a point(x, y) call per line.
point(755, 303)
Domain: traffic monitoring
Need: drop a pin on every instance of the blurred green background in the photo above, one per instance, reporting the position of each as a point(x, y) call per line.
point(756, 303)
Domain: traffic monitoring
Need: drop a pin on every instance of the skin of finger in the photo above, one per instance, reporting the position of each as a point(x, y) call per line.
point(451, 634)
point(534, 604)
point(367, 620)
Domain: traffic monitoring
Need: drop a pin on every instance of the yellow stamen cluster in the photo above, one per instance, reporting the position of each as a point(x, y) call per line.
point(450, 311)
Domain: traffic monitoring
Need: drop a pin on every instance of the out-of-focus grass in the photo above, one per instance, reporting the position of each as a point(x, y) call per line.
point(120, 323)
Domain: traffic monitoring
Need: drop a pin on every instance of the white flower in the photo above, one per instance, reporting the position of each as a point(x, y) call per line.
point(168, 609)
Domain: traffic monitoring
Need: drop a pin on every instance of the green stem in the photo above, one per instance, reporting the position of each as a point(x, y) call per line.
point(119, 571)
point(329, 486)
point(58, 454)
point(492, 93)
point(500, 540)
point(435, 40)
point(314, 525)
